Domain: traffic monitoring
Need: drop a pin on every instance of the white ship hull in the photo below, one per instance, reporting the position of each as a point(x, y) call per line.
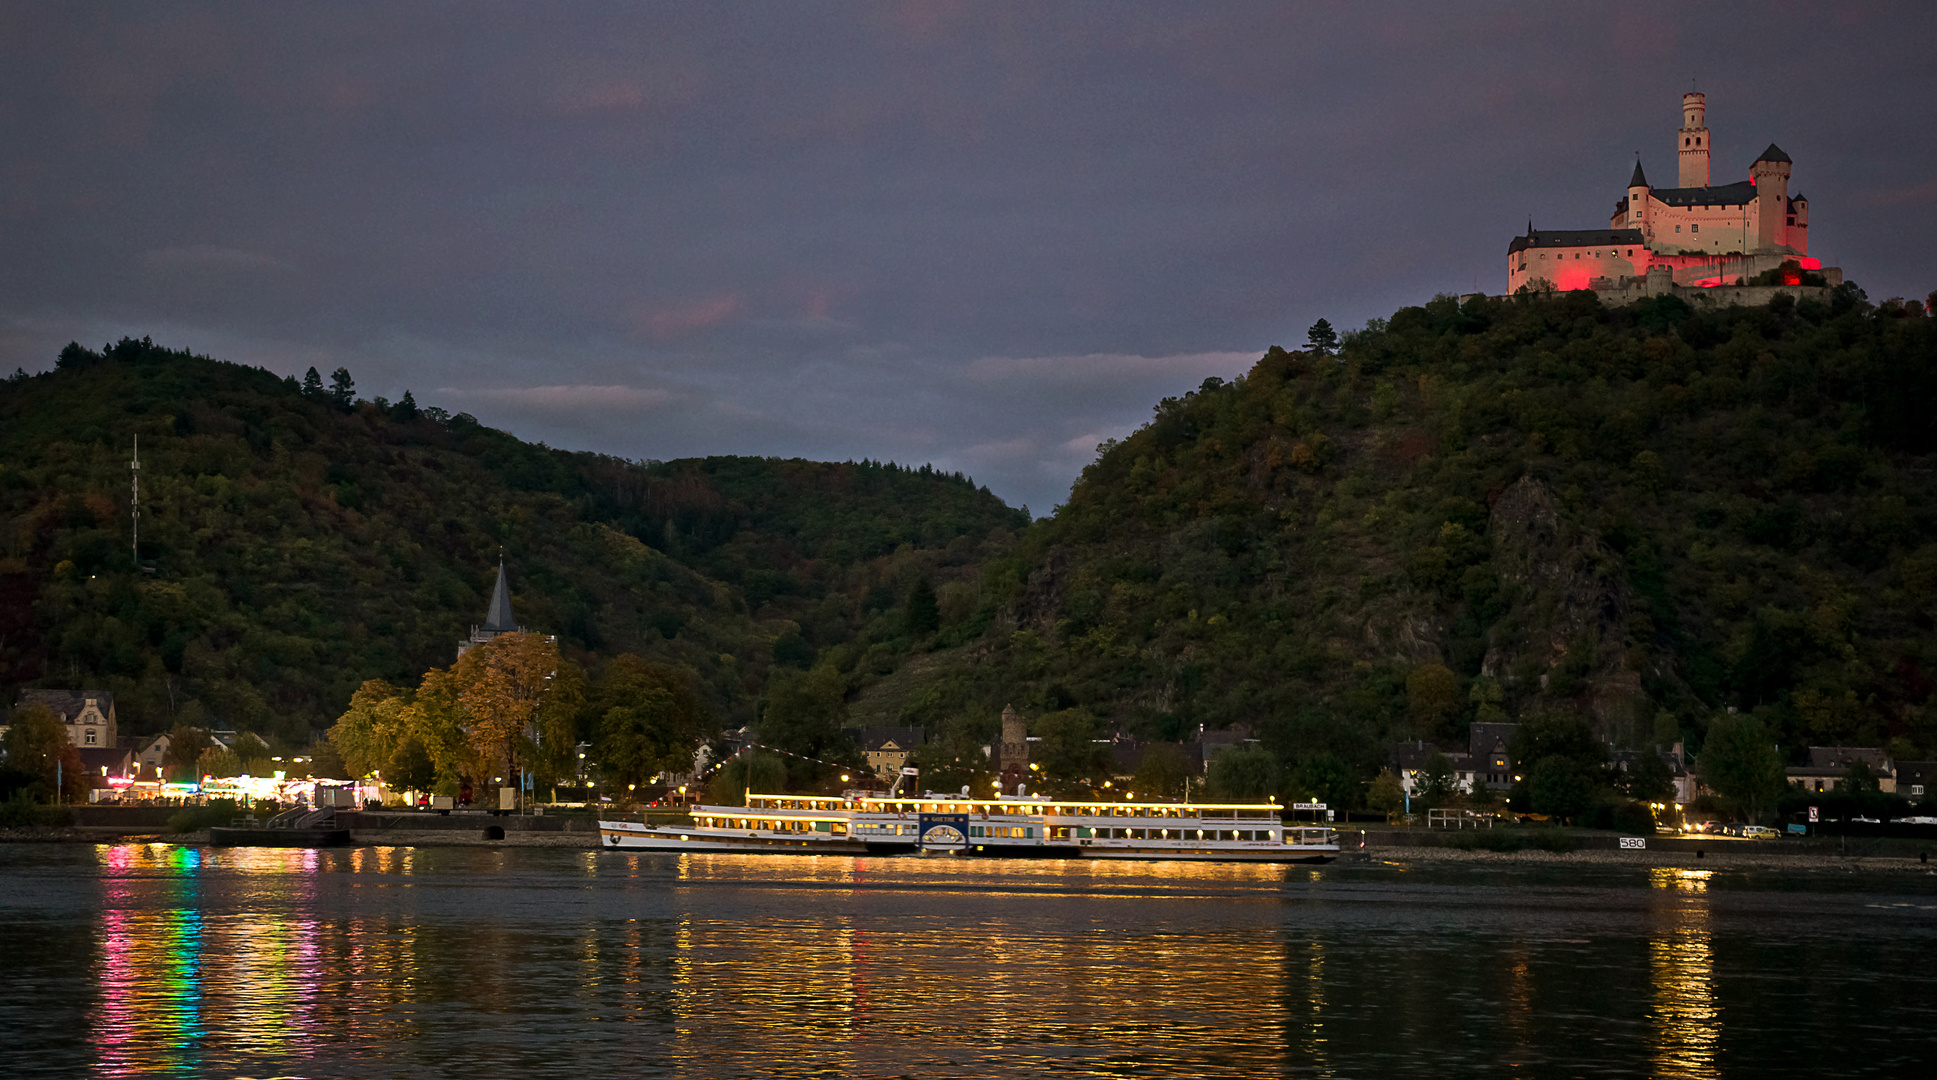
point(865, 824)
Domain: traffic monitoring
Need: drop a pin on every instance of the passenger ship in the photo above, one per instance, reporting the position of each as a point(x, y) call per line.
point(860, 823)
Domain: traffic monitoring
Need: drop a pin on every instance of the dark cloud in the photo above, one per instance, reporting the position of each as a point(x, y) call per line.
point(983, 235)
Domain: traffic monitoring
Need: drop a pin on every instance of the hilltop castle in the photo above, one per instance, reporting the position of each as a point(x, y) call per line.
point(1695, 234)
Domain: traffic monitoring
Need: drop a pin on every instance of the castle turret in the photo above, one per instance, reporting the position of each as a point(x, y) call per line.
point(1693, 136)
point(1770, 174)
point(1637, 216)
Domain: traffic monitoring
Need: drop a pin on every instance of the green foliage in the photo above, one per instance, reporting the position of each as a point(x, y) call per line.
point(38, 749)
point(1647, 778)
point(23, 812)
point(924, 615)
point(214, 813)
point(1322, 338)
point(1325, 777)
point(758, 772)
point(1386, 793)
point(1631, 516)
point(650, 720)
point(411, 767)
point(1561, 787)
point(1432, 698)
point(1242, 774)
point(1070, 758)
point(1739, 764)
point(296, 543)
point(1162, 772)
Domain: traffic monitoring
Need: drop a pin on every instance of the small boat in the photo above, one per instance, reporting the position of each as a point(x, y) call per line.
point(1005, 826)
point(298, 828)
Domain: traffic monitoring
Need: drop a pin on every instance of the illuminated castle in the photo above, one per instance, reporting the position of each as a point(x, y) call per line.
point(1696, 234)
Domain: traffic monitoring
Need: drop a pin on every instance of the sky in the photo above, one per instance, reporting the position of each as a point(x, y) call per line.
point(986, 236)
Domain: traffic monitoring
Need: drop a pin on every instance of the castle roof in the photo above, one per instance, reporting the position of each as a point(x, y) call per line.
point(1639, 179)
point(499, 618)
point(1555, 238)
point(1774, 153)
point(1739, 194)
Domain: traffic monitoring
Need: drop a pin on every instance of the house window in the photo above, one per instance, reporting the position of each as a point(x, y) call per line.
point(1917, 790)
point(90, 736)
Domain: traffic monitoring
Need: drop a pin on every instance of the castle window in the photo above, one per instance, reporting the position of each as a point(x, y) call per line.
point(1694, 228)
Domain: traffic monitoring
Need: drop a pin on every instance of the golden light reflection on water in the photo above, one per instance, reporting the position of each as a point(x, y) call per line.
point(1682, 974)
point(401, 961)
point(839, 991)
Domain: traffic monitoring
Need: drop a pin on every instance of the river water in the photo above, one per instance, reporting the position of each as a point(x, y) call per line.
point(527, 962)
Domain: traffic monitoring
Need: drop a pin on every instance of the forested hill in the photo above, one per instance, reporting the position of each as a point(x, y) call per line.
point(1641, 515)
point(296, 541)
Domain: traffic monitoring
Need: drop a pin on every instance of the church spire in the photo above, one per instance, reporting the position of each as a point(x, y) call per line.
point(499, 618)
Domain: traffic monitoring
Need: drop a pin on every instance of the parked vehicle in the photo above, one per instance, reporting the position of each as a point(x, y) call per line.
point(1758, 832)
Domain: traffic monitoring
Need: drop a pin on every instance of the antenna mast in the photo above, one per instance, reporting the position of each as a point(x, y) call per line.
point(134, 504)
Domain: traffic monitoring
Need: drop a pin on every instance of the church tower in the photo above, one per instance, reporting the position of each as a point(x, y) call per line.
point(498, 618)
point(1694, 141)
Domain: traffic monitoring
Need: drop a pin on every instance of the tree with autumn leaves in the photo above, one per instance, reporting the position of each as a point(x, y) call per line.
point(514, 705)
point(507, 706)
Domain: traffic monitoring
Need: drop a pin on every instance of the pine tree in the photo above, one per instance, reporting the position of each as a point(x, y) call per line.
point(342, 388)
point(924, 614)
point(312, 383)
point(1322, 337)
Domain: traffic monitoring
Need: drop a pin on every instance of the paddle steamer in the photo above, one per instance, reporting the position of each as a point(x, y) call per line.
point(1005, 826)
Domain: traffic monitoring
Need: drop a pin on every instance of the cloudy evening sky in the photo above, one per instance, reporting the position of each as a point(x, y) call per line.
point(986, 236)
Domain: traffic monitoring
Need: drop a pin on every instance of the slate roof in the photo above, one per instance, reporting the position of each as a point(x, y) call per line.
point(877, 738)
point(499, 618)
point(1639, 179)
point(1738, 194)
point(1481, 736)
point(66, 703)
point(1839, 758)
point(1556, 238)
point(1774, 153)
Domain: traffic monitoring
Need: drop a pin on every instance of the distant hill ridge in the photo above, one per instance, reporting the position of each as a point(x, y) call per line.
point(298, 543)
point(1490, 511)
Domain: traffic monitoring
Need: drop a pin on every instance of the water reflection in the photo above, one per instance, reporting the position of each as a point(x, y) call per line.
point(453, 962)
point(151, 982)
point(1682, 969)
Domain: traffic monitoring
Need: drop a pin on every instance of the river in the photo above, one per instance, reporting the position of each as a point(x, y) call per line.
point(141, 959)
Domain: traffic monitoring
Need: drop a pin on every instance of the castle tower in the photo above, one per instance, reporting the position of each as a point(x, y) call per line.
point(1015, 740)
point(1693, 136)
point(1012, 759)
point(1770, 174)
point(1638, 203)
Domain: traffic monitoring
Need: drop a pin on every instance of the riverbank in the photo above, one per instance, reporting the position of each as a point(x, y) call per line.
point(1717, 855)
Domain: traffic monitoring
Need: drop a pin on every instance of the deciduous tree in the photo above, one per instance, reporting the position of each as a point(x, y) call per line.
point(1739, 764)
point(1243, 774)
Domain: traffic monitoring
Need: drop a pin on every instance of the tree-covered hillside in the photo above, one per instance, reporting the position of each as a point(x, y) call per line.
point(1495, 510)
point(296, 541)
